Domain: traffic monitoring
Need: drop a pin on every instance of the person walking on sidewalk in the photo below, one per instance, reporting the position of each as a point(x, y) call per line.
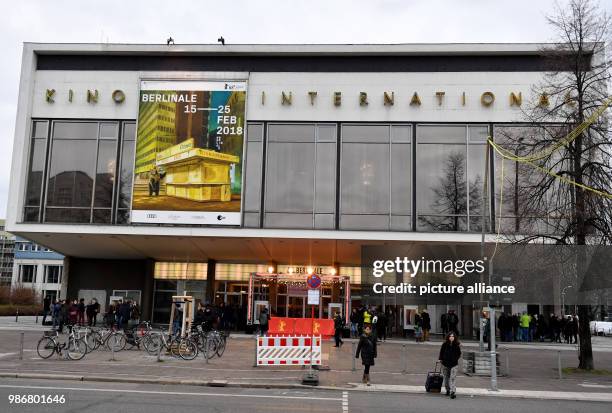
point(263, 321)
point(367, 349)
point(338, 326)
point(449, 358)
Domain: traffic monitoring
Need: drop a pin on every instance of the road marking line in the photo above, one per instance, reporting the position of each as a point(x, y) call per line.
point(174, 393)
point(345, 407)
point(599, 386)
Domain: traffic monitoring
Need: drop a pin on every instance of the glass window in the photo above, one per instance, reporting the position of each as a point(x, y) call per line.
point(254, 157)
point(71, 173)
point(54, 274)
point(68, 215)
point(109, 130)
point(291, 133)
point(365, 133)
point(376, 177)
point(290, 177)
point(31, 214)
point(39, 129)
point(105, 174)
point(28, 273)
point(300, 175)
point(36, 163)
point(442, 190)
point(101, 216)
point(129, 131)
point(126, 173)
point(75, 130)
point(521, 212)
point(477, 136)
point(81, 171)
point(364, 177)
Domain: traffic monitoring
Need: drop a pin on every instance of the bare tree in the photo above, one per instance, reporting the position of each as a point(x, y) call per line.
point(565, 212)
point(450, 201)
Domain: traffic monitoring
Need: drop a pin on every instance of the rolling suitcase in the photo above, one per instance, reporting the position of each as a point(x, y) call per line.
point(433, 384)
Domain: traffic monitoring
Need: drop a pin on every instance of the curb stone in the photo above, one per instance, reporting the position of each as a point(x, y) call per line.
point(464, 392)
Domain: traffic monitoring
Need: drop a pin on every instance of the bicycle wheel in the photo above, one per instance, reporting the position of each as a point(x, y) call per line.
point(173, 346)
point(152, 343)
point(187, 349)
point(76, 348)
point(94, 339)
point(221, 346)
point(46, 347)
point(210, 347)
point(116, 342)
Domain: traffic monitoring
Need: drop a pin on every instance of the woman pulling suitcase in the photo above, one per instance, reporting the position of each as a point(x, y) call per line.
point(449, 358)
point(367, 349)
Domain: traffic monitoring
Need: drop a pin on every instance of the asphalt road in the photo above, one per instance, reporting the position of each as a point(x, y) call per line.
point(137, 398)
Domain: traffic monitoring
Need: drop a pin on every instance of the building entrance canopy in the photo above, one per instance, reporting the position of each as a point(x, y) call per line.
point(298, 282)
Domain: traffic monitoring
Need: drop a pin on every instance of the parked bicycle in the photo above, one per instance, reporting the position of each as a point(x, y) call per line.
point(72, 348)
point(211, 342)
point(108, 338)
point(159, 341)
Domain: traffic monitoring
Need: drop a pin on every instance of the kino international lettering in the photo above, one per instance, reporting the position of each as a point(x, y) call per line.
point(486, 99)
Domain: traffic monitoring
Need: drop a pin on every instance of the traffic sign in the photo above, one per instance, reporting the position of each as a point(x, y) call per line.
point(313, 281)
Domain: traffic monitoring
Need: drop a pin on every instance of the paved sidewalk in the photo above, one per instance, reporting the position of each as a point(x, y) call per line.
point(400, 366)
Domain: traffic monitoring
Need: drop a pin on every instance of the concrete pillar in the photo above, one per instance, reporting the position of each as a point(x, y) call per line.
point(65, 278)
point(210, 281)
point(146, 306)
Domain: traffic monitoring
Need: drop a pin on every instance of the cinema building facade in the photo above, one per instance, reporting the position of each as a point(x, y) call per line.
point(158, 170)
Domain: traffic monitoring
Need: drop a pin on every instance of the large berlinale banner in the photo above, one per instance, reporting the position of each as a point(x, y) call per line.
point(189, 150)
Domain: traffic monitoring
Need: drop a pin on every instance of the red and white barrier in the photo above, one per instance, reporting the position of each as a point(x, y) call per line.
point(288, 350)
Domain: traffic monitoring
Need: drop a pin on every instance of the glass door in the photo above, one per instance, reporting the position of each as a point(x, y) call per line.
point(295, 306)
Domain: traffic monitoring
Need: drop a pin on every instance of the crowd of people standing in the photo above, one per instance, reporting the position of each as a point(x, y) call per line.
point(70, 312)
point(528, 328)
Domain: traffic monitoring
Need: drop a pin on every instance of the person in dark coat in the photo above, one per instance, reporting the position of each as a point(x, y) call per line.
point(338, 326)
point(452, 320)
point(367, 349)
point(426, 324)
point(46, 308)
point(450, 352)
point(64, 315)
point(81, 312)
point(443, 323)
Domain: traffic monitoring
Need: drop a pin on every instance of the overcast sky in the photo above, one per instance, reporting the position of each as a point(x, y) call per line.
point(254, 21)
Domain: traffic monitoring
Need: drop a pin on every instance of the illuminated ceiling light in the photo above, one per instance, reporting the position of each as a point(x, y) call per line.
point(290, 270)
point(270, 269)
point(309, 270)
point(333, 271)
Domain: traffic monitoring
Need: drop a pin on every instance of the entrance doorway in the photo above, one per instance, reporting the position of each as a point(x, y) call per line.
point(296, 306)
